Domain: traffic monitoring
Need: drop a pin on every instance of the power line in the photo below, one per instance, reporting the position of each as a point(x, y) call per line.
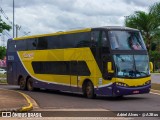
point(7, 34)
point(11, 23)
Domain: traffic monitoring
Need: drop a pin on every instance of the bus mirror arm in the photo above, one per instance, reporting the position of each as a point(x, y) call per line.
point(109, 67)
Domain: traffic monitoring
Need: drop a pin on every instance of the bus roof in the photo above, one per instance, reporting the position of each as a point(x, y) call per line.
point(116, 28)
point(77, 31)
point(56, 33)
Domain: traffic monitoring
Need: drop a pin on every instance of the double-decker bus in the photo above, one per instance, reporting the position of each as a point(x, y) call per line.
point(111, 61)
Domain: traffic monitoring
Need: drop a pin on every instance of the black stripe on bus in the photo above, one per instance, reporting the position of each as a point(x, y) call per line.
point(79, 68)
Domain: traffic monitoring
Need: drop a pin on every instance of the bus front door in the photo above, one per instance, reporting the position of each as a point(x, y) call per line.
point(74, 76)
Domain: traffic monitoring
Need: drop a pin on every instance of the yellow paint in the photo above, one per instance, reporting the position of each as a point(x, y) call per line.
point(72, 54)
point(110, 70)
point(30, 105)
point(133, 82)
point(54, 34)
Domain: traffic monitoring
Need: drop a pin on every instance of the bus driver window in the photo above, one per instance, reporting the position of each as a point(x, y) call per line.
point(134, 44)
point(114, 41)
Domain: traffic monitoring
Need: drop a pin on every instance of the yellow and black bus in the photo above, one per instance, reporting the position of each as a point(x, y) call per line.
point(109, 60)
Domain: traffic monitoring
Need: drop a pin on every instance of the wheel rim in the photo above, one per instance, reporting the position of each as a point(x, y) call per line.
point(29, 85)
point(22, 83)
point(88, 90)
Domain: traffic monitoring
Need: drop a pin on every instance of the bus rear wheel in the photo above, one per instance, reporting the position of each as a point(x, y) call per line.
point(30, 84)
point(89, 90)
point(22, 83)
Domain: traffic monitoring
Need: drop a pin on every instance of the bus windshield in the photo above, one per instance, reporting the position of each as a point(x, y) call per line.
point(126, 40)
point(131, 66)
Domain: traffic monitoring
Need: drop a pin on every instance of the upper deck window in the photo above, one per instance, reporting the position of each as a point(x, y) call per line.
point(126, 40)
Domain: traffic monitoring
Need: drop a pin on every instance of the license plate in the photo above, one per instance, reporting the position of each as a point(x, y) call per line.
point(136, 91)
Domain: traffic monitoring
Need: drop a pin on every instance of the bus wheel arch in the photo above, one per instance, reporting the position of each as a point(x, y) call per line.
point(22, 82)
point(88, 89)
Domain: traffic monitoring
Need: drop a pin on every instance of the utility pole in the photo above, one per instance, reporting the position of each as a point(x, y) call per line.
point(13, 18)
point(17, 28)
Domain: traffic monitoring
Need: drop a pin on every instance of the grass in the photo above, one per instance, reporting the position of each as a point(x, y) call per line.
point(3, 79)
point(3, 75)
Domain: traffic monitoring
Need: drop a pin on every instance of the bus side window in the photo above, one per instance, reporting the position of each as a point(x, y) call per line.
point(11, 47)
point(95, 36)
point(104, 41)
point(42, 43)
point(99, 39)
point(31, 44)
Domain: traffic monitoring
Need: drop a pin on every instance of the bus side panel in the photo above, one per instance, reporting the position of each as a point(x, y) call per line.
point(11, 73)
point(15, 69)
point(51, 86)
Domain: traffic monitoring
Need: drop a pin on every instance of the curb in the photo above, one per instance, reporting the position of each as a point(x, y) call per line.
point(25, 108)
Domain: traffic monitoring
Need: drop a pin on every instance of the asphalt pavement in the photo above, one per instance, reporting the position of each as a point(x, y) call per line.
point(155, 78)
point(13, 99)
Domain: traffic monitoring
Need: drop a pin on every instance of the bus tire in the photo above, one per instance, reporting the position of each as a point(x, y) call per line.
point(89, 90)
point(30, 84)
point(22, 83)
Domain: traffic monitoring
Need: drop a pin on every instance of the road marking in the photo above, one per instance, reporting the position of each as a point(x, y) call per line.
point(155, 93)
point(70, 109)
point(26, 108)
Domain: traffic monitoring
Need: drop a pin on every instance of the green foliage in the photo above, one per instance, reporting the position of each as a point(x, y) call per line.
point(155, 55)
point(2, 52)
point(3, 76)
point(4, 26)
point(155, 58)
point(148, 23)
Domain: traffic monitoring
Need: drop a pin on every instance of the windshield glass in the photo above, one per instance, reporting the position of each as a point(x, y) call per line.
point(131, 65)
point(126, 40)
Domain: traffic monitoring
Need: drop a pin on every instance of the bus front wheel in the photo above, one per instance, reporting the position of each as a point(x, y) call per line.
point(22, 83)
point(89, 90)
point(30, 84)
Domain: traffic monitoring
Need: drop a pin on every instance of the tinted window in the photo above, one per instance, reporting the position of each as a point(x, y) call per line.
point(11, 46)
point(126, 40)
point(76, 40)
point(54, 42)
point(42, 43)
point(21, 45)
point(61, 68)
point(31, 44)
point(83, 69)
point(57, 67)
point(104, 41)
point(99, 38)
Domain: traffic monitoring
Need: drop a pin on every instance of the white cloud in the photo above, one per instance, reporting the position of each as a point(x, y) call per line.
point(45, 16)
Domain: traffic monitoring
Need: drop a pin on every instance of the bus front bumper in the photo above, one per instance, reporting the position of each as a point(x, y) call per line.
point(120, 90)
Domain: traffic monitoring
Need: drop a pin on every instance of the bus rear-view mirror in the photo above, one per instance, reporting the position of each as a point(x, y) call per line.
point(151, 66)
point(109, 67)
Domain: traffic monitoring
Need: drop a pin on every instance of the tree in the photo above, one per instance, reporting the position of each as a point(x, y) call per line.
point(148, 23)
point(2, 52)
point(4, 26)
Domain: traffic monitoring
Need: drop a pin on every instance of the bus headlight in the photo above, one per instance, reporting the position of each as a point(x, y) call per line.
point(148, 82)
point(121, 84)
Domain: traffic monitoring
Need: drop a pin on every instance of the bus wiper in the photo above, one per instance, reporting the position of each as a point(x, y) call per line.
point(139, 72)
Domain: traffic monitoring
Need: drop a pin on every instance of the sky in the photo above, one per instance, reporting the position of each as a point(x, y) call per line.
point(48, 16)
